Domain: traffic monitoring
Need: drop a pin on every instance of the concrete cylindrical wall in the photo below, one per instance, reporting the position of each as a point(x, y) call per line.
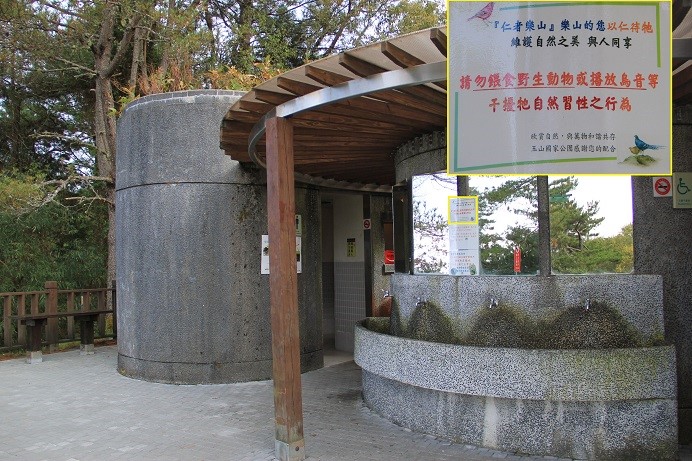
point(192, 305)
point(422, 155)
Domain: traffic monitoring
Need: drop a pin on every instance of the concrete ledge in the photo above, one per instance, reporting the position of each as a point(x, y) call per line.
point(615, 404)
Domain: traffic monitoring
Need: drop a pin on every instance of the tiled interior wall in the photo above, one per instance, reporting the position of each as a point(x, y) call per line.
point(328, 303)
point(349, 301)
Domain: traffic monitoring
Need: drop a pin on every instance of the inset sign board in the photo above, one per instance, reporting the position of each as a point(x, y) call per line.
point(682, 190)
point(264, 261)
point(559, 88)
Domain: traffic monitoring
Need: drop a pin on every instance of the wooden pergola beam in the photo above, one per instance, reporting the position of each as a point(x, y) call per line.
point(283, 286)
point(439, 39)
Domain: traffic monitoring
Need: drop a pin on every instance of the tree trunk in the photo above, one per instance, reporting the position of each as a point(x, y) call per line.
point(104, 124)
point(105, 64)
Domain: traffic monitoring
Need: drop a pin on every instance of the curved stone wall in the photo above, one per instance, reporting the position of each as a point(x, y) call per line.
point(424, 154)
point(616, 404)
point(192, 305)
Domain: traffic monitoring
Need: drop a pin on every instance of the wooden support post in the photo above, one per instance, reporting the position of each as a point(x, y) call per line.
point(6, 313)
point(283, 285)
point(52, 308)
point(86, 339)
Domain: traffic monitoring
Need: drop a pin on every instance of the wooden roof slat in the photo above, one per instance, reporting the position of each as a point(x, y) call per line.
point(300, 135)
point(325, 77)
point(680, 10)
point(366, 69)
point(369, 151)
point(358, 66)
point(409, 100)
point(272, 97)
point(439, 39)
point(682, 78)
point(296, 87)
point(366, 108)
point(255, 107)
point(232, 127)
point(393, 96)
point(398, 56)
point(344, 118)
point(683, 88)
point(337, 168)
point(242, 116)
point(328, 160)
point(321, 122)
point(374, 152)
point(404, 59)
point(342, 171)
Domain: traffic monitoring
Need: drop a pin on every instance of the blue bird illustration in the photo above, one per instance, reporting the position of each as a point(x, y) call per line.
point(641, 145)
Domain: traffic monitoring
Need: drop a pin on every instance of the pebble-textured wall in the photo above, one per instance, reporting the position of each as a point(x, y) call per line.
point(663, 245)
point(425, 154)
point(616, 404)
point(192, 305)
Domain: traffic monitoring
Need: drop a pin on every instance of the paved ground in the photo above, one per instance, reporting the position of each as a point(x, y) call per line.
point(72, 408)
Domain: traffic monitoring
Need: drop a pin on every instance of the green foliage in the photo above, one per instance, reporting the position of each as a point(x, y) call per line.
point(599, 327)
point(429, 322)
point(501, 326)
point(599, 254)
point(377, 324)
point(406, 16)
point(20, 192)
point(575, 247)
point(53, 242)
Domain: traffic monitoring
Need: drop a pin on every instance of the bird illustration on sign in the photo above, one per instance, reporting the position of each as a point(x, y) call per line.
point(638, 157)
point(484, 13)
point(642, 145)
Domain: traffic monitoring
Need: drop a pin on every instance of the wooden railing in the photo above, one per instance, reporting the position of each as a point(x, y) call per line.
point(50, 301)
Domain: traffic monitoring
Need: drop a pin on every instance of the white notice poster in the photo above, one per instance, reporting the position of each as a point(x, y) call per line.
point(559, 88)
point(264, 265)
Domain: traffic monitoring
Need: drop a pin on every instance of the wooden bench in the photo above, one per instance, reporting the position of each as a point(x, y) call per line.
point(35, 322)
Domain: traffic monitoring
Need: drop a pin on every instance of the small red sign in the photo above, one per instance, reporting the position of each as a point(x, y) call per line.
point(366, 224)
point(517, 259)
point(662, 187)
point(389, 256)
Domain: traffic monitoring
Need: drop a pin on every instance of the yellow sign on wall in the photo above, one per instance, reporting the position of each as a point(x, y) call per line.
point(351, 248)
